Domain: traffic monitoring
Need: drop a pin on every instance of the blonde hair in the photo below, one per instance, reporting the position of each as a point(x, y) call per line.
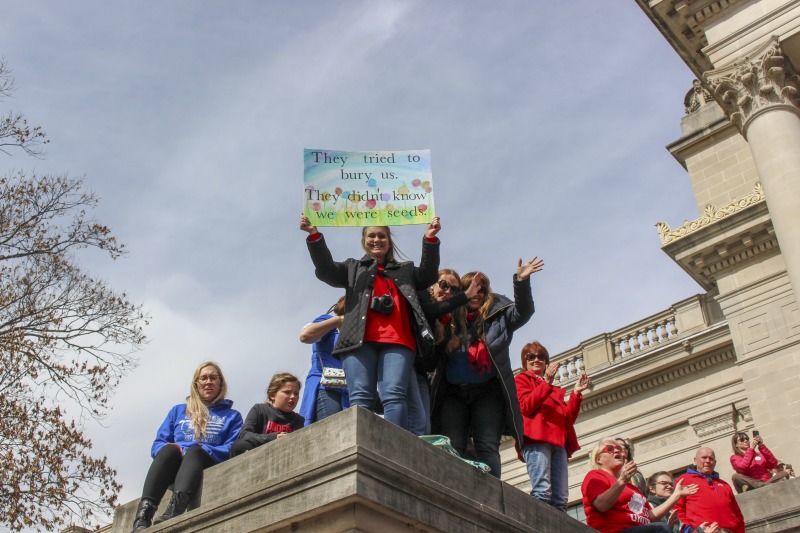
point(593, 464)
point(196, 408)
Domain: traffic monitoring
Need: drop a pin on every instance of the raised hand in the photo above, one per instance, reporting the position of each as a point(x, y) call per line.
point(474, 286)
point(306, 226)
point(550, 373)
point(433, 228)
point(582, 384)
point(524, 270)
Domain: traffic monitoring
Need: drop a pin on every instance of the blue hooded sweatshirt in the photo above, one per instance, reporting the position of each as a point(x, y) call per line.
point(222, 429)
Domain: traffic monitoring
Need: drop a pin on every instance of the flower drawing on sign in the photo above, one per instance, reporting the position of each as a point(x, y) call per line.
point(370, 203)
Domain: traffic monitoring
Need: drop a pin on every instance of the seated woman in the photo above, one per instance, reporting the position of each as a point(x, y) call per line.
point(195, 435)
point(273, 420)
point(660, 487)
point(752, 466)
point(612, 504)
point(475, 395)
point(550, 437)
point(627, 454)
point(321, 401)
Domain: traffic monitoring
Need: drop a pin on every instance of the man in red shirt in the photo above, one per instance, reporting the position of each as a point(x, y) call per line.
point(714, 503)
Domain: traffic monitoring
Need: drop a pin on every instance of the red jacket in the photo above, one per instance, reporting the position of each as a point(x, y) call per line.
point(713, 502)
point(547, 417)
point(755, 465)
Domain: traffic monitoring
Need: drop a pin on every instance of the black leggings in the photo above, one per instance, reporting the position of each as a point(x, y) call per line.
point(169, 466)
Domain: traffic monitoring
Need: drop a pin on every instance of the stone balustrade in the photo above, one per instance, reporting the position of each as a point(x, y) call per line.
point(641, 336)
point(664, 328)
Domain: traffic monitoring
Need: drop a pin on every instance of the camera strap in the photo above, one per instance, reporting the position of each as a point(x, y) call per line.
point(385, 282)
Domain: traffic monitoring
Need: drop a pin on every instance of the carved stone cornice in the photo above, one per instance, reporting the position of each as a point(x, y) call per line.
point(710, 215)
point(756, 83)
point(637, 388)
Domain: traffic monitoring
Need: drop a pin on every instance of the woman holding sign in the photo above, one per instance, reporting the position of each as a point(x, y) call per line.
point(384, 325)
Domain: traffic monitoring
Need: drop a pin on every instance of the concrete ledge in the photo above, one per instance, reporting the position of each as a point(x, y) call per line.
point(772, 508)
point(356, 472)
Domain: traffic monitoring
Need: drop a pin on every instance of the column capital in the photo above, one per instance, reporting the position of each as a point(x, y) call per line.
point(759, 82)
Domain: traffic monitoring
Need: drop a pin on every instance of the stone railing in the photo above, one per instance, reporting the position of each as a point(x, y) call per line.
point(644, 335)
point(661, 329)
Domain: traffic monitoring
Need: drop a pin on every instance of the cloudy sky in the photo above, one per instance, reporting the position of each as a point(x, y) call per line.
point(546, 122)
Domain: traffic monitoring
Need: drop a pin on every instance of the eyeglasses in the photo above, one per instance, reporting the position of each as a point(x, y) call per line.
point(205, 379)
point(530, 356)
point(447, 287)
point(610, 448)
point(744, 439)
point(665, 483)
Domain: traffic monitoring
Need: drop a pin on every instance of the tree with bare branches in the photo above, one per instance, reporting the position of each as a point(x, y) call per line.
point(66, 340)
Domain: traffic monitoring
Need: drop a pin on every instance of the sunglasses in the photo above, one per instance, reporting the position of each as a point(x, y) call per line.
point(205, 379)
point(610, 448)
point(744, 439)
point(447, 287)
point(530, 356)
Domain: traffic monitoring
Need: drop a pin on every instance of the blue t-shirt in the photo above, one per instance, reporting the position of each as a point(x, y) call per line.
point(458, 371)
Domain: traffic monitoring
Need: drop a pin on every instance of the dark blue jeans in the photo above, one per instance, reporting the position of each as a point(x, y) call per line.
point(478, 411)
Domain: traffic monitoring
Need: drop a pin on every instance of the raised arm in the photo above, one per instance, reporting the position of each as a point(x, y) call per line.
point(427, 272)
point(679, 492)
point(326, 269)
point(313, 332)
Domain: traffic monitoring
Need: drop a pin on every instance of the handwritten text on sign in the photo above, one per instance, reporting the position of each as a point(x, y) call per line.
point(368, 188)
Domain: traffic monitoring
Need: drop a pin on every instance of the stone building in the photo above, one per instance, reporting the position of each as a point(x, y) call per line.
point(728, 359)
point(689, 376)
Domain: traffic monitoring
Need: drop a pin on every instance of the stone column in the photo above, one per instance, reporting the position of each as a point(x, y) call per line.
point(761, 94)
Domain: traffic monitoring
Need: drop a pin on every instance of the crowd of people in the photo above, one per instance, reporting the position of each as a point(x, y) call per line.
point(429, 349)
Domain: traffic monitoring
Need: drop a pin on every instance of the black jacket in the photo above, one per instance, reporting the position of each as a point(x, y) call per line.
point(504, 318)
point(357, 277)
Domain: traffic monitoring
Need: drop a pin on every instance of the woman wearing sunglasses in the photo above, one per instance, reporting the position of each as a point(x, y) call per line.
point(443, 304)
point(549, 420)
point(612, 504)
point(752, 461)
point(384, 326)
point(475, 395)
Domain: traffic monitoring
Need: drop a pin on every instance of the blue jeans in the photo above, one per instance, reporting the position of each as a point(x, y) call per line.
point(385, 367)
point(477, 410)
point(547, 467)
point(329, 402)
point(419, 404)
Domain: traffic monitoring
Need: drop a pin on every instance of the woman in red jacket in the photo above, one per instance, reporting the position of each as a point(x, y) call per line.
point(549, 424)
point(752, 467)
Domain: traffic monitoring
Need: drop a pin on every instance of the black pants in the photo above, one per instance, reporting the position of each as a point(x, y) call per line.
point(170, 467)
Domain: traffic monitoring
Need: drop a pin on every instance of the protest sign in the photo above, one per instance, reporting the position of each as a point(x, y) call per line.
point(368, 188)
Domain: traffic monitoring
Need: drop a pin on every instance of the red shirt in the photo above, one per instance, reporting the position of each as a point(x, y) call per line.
point(394, 328)
point(631, 508)
point(713, 502)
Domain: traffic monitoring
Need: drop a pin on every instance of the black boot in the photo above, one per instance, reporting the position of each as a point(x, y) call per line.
point(144, 514)
point(177, 505)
